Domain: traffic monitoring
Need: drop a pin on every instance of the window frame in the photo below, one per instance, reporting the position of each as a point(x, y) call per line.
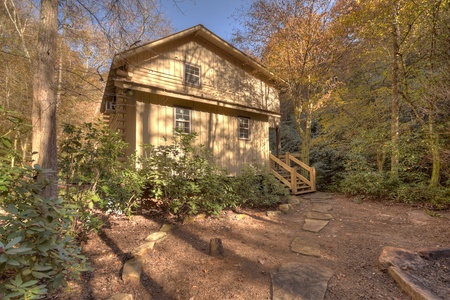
point(187, 76)
point(245, 130)
point(182, 120)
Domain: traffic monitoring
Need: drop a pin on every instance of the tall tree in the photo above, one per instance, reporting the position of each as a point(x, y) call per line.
point(44, 96)
point(292, 39)
point(396, 61)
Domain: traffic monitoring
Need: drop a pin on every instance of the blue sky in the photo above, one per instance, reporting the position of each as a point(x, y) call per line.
point(216, 15)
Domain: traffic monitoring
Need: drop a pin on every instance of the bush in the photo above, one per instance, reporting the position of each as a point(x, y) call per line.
point(436, 198)
point(180, 176)
point(256, 187)
point(38, 252)
point(361, 179)
point(93, 175)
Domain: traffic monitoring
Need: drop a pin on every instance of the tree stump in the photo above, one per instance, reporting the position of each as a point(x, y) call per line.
point(215, 247)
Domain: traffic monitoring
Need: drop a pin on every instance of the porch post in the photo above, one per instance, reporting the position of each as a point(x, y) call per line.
point(278, 144)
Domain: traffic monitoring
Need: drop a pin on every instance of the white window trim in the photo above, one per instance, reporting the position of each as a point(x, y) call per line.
point(199, 76)
point(175, 120)
point(247, 128)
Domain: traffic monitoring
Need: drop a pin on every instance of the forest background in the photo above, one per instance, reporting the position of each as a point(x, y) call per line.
point(366, 100)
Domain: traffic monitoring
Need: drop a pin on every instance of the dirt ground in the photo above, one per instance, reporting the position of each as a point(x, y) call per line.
point(255, 245)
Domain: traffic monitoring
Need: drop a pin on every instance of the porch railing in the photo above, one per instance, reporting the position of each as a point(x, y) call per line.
point(298, 176)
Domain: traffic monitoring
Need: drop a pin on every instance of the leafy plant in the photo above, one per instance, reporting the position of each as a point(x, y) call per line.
point(93, 175)
point(38, 252)
point(180, 176)
point(255, 187)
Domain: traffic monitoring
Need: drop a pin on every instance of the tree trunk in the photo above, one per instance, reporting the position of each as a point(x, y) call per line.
point(395, 90)
point(434, 146)
point(44, 97)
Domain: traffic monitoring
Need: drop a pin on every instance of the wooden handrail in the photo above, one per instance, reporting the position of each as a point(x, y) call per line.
point(294, 174)
point(299, 162)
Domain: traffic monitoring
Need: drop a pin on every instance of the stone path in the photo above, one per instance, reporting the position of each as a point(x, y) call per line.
point(306, 281)
point(292, 281)
point(132, 269)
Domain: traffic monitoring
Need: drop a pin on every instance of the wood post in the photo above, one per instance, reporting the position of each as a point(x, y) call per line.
point(278, 143)
point(215, 247)
point(293, 180)
point(312, 178)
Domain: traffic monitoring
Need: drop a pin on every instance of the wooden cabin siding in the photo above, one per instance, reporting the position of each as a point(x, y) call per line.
point(216, 128)
point(222, 77)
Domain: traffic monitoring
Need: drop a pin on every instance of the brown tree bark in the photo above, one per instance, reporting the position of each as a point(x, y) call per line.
point(44, 97)
point(395, 90)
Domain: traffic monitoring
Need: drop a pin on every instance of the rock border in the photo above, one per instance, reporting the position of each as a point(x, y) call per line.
point(132, 268)
point(395, 260)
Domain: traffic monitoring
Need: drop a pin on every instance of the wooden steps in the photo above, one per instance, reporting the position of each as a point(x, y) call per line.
point(299, 177)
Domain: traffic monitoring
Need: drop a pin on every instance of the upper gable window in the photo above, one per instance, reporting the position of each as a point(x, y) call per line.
point(192, 75)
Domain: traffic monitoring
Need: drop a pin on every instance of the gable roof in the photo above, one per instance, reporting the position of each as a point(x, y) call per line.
point(198, 31)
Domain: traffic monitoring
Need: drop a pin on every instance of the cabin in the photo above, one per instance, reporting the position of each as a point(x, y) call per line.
point(194, 81)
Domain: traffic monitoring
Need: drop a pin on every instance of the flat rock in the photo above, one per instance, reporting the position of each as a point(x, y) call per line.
point(300, 282)
point(166, 227)
point(318, 216)
point(273, 214)
point(286, 208)
point(320, 201)
point(132, 270)
point(402, 258)
point(239, 217)
point(193, 219)
point(411, 285)
point(314, 225)
point(434, 253)
point(143, 249)
point(322, 208)
point(156, 236)
point(302, 246)
point(121, 297)
point(294, 200)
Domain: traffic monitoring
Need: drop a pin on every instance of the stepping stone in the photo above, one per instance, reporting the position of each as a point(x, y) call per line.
point(300, 282)
point(273, 214)
point(314, 225)
point(318, 216)
point(294, 200)
point(193, 219)
point(166, 228)
point(121, 297)
point(156, 236)
point(143, 249)
point(286, 208)
point(321, 201)
point(308, 248)
point(322, 208)
point(131, 272)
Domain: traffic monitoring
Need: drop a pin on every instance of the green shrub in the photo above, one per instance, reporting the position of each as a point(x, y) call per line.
point(256, 187)
point(361, 179)
point(436, 198)
point(38, 252)
point(180, 176)
point(93, 175)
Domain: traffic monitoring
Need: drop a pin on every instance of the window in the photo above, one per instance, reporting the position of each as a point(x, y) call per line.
point(244, 128)
point(192, 75)
point(183, 119)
